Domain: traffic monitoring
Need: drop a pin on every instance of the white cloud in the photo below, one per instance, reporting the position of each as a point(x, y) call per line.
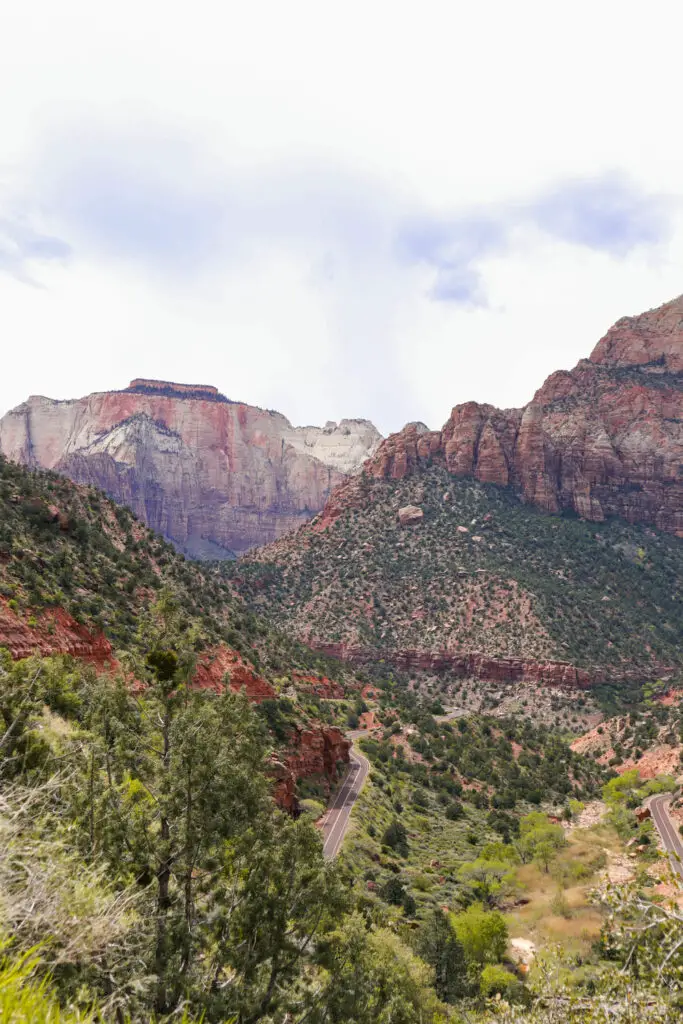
point(231, 179)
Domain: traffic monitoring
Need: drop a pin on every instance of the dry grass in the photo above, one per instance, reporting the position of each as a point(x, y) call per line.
point(559, 908)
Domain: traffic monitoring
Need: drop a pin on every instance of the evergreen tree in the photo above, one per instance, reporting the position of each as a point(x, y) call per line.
point(438, 946)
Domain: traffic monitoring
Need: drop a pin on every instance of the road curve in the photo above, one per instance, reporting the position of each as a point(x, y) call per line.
point(338, 814)
point(671, 840)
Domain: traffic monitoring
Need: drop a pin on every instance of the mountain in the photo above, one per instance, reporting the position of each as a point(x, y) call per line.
point(603, 439)
point(78, 575)
point(480, 585)
point(216, 477)
point(441, 555)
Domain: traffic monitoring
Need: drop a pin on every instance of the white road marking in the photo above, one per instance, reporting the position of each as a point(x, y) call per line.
point(338, 822)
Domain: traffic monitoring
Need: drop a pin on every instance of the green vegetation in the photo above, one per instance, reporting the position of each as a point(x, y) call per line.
point(604, 596)
point(68, 547)
point(147, 876)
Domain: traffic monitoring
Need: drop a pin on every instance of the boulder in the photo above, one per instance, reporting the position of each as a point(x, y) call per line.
point(409, 515)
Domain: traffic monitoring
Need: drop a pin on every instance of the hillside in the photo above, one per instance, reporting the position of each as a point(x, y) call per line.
point(78, 575)
point(144, 865)
point(214, 476)
point(475, 582)
point(648, 738)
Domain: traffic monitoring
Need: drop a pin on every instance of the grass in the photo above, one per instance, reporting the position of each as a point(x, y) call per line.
point(25, 998)
point(559, 909)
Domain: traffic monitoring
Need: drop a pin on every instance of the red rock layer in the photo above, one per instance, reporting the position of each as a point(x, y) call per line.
point(321, 686)
point(213, 666)
point(474, 666)
point(313, 753)
point(54, 632)
point(603, 439)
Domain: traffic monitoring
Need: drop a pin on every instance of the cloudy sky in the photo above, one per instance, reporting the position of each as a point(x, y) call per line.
point(361, 209)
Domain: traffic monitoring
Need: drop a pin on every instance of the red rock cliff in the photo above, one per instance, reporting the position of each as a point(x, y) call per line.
point(52, 632)
point(605, 438)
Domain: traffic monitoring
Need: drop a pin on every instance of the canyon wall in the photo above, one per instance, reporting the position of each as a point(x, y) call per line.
point(216, 477)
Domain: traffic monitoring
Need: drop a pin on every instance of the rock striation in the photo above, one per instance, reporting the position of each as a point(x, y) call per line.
point(214, 476)
point(464, 666)
point(50, 632)
point(604, 439)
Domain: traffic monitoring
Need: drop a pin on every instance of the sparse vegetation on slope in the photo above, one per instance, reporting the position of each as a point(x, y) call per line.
point(481, 572)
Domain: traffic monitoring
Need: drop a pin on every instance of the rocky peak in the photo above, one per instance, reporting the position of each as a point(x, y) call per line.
point(653, 340)
point(597, 440)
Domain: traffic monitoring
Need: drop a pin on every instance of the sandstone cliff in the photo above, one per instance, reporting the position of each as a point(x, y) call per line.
point(212, 475)
point(603, 439)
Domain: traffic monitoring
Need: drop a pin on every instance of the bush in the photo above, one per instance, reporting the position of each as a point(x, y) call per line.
point(455, 811)
point(393, 891)
point(495, 980)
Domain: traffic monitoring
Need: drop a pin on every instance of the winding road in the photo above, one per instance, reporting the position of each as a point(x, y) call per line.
point(335, 824)
point(671, 840)
point(336, 821)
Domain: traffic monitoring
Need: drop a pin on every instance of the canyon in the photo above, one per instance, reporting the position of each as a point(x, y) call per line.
point(216, 477)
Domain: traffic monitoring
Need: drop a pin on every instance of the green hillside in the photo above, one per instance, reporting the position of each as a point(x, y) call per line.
point(481, 572)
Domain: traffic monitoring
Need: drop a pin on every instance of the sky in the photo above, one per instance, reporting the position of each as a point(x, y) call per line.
point(365, 209)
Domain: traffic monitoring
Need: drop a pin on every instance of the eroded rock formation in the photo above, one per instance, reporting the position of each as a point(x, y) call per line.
point(603, 439)
point(314, 753)
point(463, 666)
point(212, 475)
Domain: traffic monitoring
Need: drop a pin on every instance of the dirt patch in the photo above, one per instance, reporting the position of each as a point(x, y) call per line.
point(522, 950)
point(592, 814)
point(619, 869)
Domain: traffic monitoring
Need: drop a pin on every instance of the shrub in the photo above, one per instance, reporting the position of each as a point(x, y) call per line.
point(395, 836)
point(495, 980)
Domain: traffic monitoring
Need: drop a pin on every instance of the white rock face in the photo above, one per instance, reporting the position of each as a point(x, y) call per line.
point(344, 446)
point(213, 476)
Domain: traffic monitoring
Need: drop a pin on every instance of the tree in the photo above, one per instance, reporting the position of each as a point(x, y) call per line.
point(374, 979)
point(21, 700)
point(544, 853)
point(482, 933)
point(536, 830)
point(488, 879)
point(396, 837)
point(439, 946)
point(275, 896)
point(496, 980)
point(173, 774)
point(393, 891)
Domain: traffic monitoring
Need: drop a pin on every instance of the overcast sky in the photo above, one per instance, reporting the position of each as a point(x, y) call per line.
point(332, 209)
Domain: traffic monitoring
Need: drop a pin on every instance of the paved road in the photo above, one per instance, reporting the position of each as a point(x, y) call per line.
point(337, 819)
point(671, 839)
point(455, 713)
